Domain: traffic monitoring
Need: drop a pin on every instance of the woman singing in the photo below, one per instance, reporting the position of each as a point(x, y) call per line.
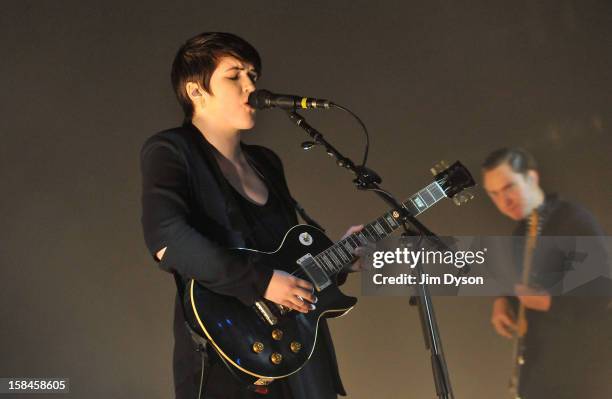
point(204, 191)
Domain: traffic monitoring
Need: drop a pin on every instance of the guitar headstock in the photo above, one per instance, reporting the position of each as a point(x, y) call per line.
point(454, 180)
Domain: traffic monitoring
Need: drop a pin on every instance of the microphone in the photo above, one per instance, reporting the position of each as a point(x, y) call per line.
point(263, 99)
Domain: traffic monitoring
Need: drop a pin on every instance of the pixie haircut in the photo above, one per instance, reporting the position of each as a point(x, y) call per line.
point(519, 160)
point(197, 59)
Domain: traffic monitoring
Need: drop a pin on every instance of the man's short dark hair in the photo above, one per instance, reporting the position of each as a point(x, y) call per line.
point(197, 59)
point(519, 160)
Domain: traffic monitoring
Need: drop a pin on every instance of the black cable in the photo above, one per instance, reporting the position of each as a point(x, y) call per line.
point(365, 130)
point(202, 375)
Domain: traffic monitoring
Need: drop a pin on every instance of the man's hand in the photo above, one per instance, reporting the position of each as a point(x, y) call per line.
point(533, 299)
point(502, 318)
point(362, 253)
point(291, 292)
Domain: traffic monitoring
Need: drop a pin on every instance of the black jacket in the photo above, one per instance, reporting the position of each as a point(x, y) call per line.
point(189, 208)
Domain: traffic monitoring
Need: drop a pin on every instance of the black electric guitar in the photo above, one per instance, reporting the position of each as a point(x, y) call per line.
point(267, 341)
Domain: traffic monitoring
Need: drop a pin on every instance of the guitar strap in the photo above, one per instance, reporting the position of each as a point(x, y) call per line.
point(305, 216)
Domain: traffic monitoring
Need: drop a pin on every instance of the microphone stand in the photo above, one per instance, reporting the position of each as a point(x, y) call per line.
point(367, 179)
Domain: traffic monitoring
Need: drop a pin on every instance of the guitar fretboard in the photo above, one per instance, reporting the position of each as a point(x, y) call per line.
point(333, 259)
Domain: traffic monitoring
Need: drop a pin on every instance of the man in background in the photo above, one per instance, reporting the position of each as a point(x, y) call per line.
point(568, 339)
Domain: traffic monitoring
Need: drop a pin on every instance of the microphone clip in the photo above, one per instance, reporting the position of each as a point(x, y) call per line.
point(366, 178)
point(308, 145)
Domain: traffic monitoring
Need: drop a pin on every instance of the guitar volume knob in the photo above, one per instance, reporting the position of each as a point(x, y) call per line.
point(277, 334)
point(295, 347)
point(258, 347)
point(276, 358)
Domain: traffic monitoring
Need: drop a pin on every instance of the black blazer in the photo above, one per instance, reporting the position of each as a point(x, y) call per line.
point(188, 207)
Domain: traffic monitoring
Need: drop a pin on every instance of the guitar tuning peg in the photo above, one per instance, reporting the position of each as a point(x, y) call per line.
point(443, 164)
point(437, 168)
point(466, 196)
point(456, 200)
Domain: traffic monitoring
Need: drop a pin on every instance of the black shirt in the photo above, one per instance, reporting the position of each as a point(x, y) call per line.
point(568, 349)
point(266, 221)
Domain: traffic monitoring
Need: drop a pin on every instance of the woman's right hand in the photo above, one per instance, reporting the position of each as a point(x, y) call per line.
point(291, 292)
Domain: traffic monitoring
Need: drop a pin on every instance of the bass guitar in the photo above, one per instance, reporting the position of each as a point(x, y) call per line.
point(518, 351)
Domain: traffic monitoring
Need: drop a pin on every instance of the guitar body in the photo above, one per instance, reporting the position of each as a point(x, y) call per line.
point(244, 336)
point(266, 341)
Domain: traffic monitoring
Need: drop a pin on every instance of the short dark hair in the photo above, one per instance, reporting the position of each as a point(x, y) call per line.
point(520, 160)
point(198, 57)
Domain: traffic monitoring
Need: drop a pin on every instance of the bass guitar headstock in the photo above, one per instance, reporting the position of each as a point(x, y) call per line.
point(454, 180)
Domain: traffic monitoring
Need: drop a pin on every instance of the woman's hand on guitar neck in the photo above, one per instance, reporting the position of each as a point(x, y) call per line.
point(291, 292)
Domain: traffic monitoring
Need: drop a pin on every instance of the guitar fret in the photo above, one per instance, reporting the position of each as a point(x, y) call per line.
point(435, 189)
point(373, 232)
point(342, 254)
point(362, 239)
point(381, 232)
point(418, 203)
point(427, 197)
point(334, 258)
point(327, 263)
point(350, 256)
point(432, 191)
point(433, 197)
point(421, 201)
point(346, 245)
point(411, 207)
point(391, 221)
point(341, 257)
point(366, 233)
point(369, 229)
point(384, 225)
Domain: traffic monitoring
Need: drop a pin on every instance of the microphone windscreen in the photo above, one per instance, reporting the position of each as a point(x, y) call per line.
point(259, 99)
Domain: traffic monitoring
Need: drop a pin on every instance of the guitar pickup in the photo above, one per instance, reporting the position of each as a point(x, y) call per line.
point(317, 276)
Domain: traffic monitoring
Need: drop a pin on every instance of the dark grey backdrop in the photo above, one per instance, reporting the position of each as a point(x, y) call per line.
point(83, 85)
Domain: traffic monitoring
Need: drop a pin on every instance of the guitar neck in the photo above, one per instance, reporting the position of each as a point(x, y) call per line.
point(333, 259)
